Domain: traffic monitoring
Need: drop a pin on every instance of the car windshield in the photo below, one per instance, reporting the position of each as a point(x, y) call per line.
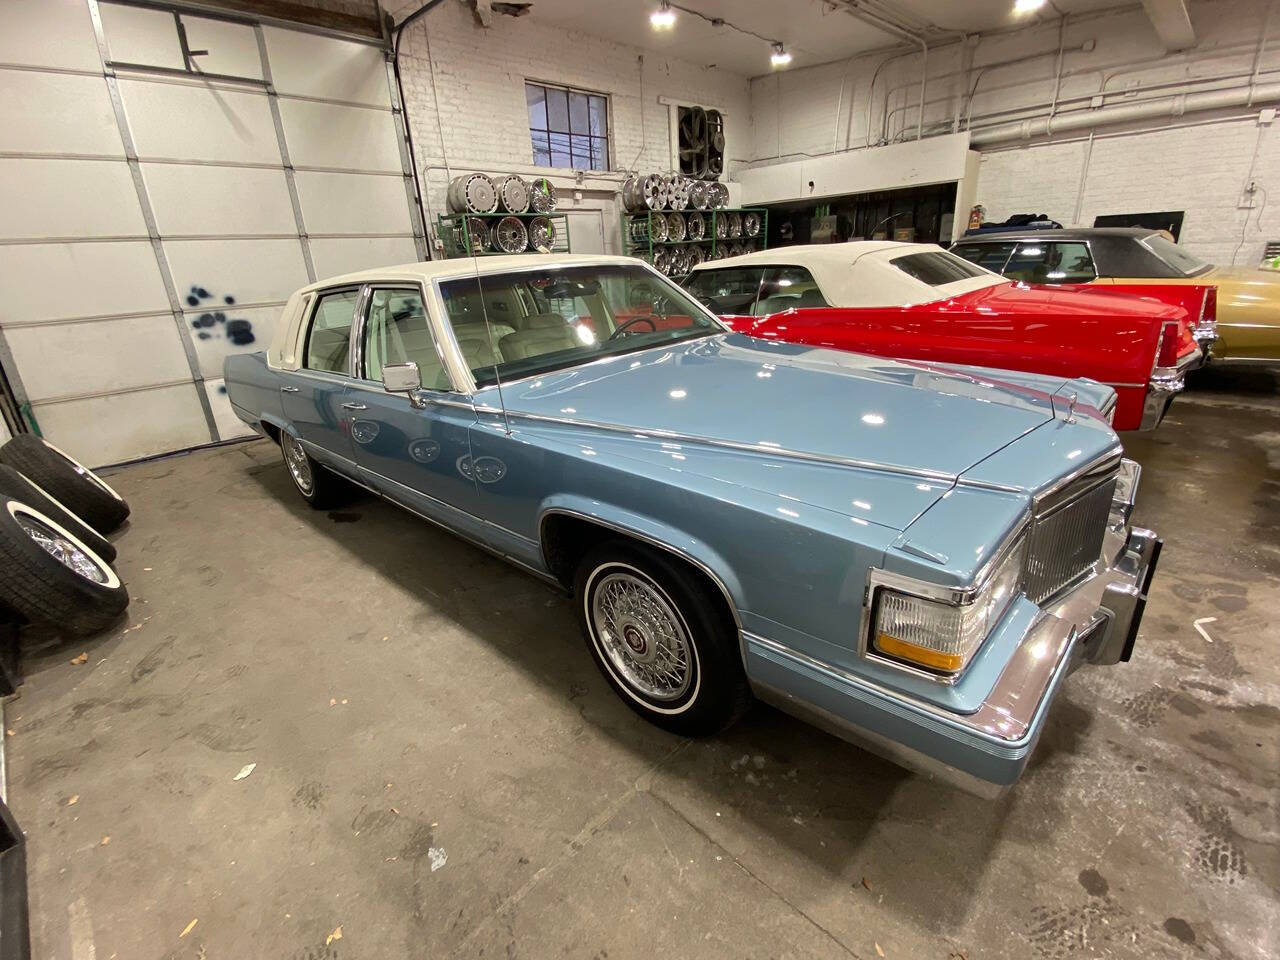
point(542, 320)
point(1174, 255)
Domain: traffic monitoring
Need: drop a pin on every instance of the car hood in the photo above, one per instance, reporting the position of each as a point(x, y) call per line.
point(1074, 300)
point(794, 401)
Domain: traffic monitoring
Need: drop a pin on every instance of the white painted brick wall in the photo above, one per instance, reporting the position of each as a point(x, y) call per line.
point(484, 116)
point(1200, 168)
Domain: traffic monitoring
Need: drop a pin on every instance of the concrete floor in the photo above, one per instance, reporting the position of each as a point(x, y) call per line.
point(441, 771)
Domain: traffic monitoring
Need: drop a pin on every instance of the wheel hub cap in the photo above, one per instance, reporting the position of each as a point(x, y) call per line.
point(642, 636)
point(62, 549)
point(299, 466)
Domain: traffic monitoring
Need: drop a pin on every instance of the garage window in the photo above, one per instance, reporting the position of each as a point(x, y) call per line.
point(569, 128)
point(329, 340)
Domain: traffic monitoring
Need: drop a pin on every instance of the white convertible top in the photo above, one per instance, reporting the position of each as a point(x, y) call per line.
point(861, 273)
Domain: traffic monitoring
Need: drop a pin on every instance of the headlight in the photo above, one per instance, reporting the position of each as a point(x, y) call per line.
point(943, 635)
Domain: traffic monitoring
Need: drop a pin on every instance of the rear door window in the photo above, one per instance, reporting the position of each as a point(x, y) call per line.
point(937, 267)
point(1043, 262)
point(329, 339)
point(787, 288)
point(993, 256)
point(728, 292)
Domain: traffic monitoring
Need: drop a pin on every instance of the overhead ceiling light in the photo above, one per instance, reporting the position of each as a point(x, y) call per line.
point(1026, 6)
point(664, 18)
point(779, 57)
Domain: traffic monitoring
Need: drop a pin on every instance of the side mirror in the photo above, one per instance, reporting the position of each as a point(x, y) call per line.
point(403, 378)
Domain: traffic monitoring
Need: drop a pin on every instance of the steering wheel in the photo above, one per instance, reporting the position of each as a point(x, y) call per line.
point(629, 323)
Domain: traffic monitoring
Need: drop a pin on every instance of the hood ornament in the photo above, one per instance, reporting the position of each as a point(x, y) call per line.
point(1071, 407)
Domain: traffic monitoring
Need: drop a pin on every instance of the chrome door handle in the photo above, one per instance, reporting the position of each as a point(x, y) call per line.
point(354, 406)
point(288, 389)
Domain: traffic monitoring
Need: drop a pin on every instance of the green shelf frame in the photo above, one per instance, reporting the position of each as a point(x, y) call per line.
point(455, 233)
point(638, 240)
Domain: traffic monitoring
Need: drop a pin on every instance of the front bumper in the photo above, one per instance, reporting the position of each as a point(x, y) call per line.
point(1095, 622)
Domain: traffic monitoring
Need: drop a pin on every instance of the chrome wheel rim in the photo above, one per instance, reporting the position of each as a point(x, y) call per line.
point(84, 471)
point(69, 554)
point(299, 466)
point(642, 637)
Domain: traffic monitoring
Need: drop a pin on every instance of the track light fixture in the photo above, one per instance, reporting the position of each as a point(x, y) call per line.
point(664, 18)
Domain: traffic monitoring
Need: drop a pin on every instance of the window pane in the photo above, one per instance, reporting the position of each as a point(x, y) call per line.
point(397, 332)
point(560, 150)
point(1028, 263)
point(937, 268)
point(1068, 263)
point(558, 110)
point(726, 292)
point(581, 147)
point(329, 341)
point(599, 153)
point(537, 98)
point(599, 116)
point(990, 255)
point(541, 150)
point(1174, 255)
point(578, 113)
point(788, 288)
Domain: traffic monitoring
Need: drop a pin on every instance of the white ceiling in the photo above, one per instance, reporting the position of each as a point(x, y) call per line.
point(815, 31)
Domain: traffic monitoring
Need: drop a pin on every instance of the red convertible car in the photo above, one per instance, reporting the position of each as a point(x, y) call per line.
point(917, 301)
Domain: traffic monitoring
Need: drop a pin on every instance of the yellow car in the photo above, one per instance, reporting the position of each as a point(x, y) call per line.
point(1248, 300)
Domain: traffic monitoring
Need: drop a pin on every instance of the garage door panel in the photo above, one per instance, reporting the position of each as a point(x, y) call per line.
point(182, 121)
point(194, 200)
point(247, 271)
point(96, 356)
point(85, 123)
point(349, 138)
point(48, 33)
point(68, 198)
point(334, 257)
point(219, 333)
point(353, 203)
point(141, 35)
point(126, 426)
point(310, 66)
point(229, 425)
point(47, 281)
point(233, 47)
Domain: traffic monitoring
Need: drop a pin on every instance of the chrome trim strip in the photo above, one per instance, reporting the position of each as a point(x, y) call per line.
point(652, 541)
point(1108, 461)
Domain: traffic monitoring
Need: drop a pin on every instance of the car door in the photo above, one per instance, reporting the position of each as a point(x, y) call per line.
point(314, 395)
point(415, 451)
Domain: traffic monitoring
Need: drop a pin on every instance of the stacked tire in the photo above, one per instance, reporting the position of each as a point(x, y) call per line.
point(55, 560)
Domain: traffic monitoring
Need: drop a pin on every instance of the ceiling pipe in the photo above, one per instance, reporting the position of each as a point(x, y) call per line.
point(857, 11)
point(1172, 107)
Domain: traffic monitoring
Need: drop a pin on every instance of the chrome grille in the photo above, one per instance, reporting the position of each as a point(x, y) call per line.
point(1067, 541)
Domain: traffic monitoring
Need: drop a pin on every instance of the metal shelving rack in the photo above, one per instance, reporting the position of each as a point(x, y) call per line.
point(639, 240)
point(454, 231)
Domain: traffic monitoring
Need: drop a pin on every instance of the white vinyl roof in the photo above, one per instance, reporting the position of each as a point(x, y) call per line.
point(468, 266)
point(860, 273)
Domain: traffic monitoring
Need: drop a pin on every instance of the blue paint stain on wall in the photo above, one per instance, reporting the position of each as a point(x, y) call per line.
point(215, 324)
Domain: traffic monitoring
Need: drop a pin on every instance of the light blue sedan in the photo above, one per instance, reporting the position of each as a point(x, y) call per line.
point(912, 555)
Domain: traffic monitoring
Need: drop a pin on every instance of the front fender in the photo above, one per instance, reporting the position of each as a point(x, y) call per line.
point(655, 532)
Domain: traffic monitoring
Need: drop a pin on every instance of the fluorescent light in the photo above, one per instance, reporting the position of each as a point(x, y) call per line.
point(779, 57)
point(664, 18)
point(1026, 6)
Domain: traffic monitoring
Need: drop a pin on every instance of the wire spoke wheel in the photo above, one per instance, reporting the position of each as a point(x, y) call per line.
point(542, 234)
point(510, 236)
point(299, 465)
point(62, 549)
point(642, 636)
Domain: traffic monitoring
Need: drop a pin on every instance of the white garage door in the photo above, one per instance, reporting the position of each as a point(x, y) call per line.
point(168, 179)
